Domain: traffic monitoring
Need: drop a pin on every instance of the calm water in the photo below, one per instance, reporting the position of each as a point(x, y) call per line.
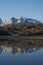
point(22, 52)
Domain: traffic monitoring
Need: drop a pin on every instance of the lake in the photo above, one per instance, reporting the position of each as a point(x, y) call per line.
point(21, 52)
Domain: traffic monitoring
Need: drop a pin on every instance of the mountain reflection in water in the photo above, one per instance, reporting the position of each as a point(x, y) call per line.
point(21, 46)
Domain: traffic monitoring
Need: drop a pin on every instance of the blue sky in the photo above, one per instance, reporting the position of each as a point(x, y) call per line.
point(26, 8)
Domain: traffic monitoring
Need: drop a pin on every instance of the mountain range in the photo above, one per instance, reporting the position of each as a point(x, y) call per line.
point(24, 21)
point(20, 21)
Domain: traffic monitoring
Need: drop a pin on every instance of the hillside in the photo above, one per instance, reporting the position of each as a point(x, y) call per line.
point(33, 29)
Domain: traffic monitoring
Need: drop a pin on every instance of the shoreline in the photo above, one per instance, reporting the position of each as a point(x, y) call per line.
point(22, 37)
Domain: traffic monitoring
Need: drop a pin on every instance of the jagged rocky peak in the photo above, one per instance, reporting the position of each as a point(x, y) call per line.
point(1, 22)
point(21, 18)
point(14, 20)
